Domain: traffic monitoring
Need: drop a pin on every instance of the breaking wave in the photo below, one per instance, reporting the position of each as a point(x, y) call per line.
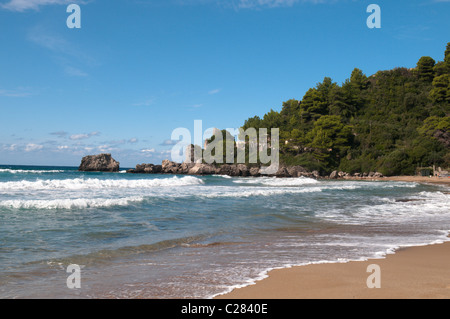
point(273, 181)
point(78, 203)
point(31, 171)
point(94, 183)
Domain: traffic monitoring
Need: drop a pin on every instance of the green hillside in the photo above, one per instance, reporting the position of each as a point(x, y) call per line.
point(391, 122)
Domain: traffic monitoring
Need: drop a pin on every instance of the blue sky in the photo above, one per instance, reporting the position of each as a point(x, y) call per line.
point(138, 69)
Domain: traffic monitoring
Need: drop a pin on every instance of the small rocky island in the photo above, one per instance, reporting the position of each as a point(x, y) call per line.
point(99, 163)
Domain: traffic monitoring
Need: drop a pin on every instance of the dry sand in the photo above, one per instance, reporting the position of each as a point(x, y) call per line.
point(412, 273)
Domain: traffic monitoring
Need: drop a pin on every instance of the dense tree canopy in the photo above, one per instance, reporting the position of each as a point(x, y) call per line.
point(392, 121)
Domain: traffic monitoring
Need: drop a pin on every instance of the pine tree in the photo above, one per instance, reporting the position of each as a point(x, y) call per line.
point(441, 89)
point(425, 68)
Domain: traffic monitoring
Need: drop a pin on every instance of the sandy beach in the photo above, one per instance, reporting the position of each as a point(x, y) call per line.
point(419, 179)
point(414, 179)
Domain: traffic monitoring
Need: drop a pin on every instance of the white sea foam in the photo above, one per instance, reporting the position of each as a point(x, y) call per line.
point(94, 183)
point(250, 191)
point(273, 181)
point(425, 205)
point(435, 195)
point(304, 181)
point(397, 184)
point(22, 171)
point(371, 184)
point(257, 191)
point(78, 203)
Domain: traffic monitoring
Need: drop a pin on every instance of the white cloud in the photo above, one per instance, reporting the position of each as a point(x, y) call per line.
point(133, 140)
point(145, 103)
point(123, 141)
point(246, 4)
point(56, 43)
point(11, 147)
point(77, 137)
point(40, 36)
point(23, 5)
point(256, 4)
point(215, 91)
point(33, 147)
point(59, 134)
point(156, 155)
point(150, 150)
point(65, 53)
point(105, 148)
point(74, 71)
point(253, 4)
point(169, 143)
point(19, 92)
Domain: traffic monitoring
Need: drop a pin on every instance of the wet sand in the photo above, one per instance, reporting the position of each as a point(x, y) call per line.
point(412, 273)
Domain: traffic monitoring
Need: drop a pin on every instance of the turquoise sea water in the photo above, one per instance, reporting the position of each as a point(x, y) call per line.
point(165, 236)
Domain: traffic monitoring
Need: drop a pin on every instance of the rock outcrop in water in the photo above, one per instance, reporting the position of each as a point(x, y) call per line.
point(242, 170)
point(146, 169)
point(105, 163)
point(99, 163)
point(234, 170)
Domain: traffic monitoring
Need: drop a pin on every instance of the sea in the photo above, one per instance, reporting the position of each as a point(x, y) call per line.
point(169, 236)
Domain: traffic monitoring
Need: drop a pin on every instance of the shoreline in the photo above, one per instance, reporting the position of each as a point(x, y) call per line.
point(418, 272)
point(411, 179)
point(420, 179)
